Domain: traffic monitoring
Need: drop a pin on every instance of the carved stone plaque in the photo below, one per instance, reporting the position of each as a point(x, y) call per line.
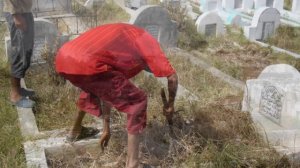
point(211, 30)
point(153, 30)
point(271, 103)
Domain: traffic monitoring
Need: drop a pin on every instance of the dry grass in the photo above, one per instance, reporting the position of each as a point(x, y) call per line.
point(239, 58)
point(286, 37)
point(11, 148)
point(189, 38)
point(211, 132)
point(110, 12)
point(288, 4)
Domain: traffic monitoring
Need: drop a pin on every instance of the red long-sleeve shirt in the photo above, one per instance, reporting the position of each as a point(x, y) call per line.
point(120, 46)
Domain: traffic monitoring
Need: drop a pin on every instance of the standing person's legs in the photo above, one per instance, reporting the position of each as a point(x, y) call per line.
point(21, 51)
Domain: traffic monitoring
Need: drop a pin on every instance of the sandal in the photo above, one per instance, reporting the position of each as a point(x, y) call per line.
point(27, 92)
point(24, 103)
point(85, 132)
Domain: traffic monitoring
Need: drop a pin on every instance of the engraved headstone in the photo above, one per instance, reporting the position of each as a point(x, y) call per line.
point(264, 24)
point(211, 29)
point(210, 24)
point(153, 30)
point(273, 100)
point(271, 103)
point(158, 23)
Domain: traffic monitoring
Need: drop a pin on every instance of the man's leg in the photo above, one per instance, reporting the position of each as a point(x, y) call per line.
point(76, 129)
point(15, 89)
point(133, 151)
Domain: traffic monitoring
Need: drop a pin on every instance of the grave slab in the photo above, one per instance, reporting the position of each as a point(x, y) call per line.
point(264, 24)
point(210, 24)
point(273, 99)
point(35, 151)
point(158, 23)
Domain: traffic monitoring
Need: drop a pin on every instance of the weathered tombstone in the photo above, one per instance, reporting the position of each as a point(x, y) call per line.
point(273, 99)
point(46, 39)
point(296, 7)
point(210, 24)
point(158, 23)
point(264, 24)
point(50, 7)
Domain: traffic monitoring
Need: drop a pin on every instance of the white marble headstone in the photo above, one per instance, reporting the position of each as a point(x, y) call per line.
point(210, 24)
point(158, 23)
point(273, 100)
point(264, 24)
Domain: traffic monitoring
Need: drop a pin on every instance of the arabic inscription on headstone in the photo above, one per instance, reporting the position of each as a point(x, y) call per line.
point(271, 103)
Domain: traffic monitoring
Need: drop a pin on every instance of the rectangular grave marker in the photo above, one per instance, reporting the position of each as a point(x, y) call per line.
point(271, 103)
point(211, 30)
point(39, 48)
point(153, 30)
point(268, 30)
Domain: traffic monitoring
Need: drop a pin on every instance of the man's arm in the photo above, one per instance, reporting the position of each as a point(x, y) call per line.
point(15, 8)
point(106, 125)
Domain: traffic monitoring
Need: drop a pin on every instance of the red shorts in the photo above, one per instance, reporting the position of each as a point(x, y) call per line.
point(115, 89)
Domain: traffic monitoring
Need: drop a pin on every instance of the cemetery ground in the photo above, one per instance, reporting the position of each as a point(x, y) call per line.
point(242, 59)
point(11, 147)
point(211, 132)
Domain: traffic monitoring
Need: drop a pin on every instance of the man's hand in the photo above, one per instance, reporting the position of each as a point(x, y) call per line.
point(20, 22)
point(104, 139)
point(168, 112)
